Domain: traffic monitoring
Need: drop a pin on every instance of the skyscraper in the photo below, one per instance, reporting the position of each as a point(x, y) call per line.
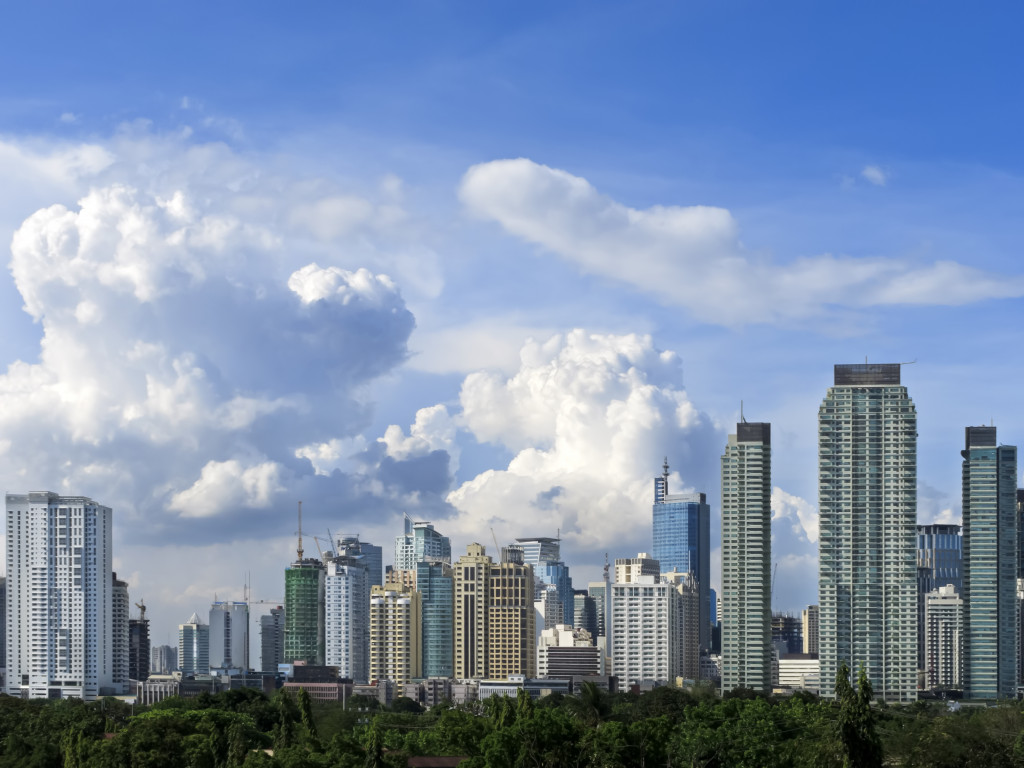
point(809, 629)
point(119, 633)
point(229, 636)
point(543, 554)
point(511, 620)
point(194, 647)
point(867, 500)
point(989, 565)
point(59, 600)
point(346, 616)
point(420, 542)
point(395, 650)
point(682, 542)
point(436, 588)
point(272, 640)
point(371, 554)
point(944, 641)
point(138, 648)
point(472, 575)
point(746, 558)
point(644, 630)
point(163, 660)
point(939, 555)
point(3, 623)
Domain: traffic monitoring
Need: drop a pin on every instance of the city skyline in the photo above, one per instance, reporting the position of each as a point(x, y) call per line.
point(487, 269)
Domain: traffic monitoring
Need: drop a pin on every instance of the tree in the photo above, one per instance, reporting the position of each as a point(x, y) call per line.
point(858, 738)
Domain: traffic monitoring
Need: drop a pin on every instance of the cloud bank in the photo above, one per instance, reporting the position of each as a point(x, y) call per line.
point(692, 256)
point(588, 419)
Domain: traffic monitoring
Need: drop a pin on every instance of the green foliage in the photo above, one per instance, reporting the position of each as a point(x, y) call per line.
point(665, 727)
point(858, 739)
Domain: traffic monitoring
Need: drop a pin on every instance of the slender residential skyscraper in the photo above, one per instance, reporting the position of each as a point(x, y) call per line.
point(346, 616)
point(989, 565)
point(682, 542)
point(59, 597)
point(867, 501)
point(746, 558)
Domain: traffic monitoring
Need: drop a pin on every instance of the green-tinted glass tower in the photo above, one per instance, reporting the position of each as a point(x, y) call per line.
point(989, 565)
point(437, 589)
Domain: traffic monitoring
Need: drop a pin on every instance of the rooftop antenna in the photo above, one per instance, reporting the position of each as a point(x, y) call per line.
point(606, 569)
point(299, 550)
point(664, 477)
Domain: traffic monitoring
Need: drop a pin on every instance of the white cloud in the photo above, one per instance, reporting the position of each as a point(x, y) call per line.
point(589, 418)
point(227, 484)
point(692, 256)
point(800, 513)
point(68, 118)
point(333, 454)
point(433, 430)
point(195, 360)
point(492, 343)
point(875, 175)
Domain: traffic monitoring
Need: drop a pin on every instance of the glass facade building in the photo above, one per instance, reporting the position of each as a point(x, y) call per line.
point(437, 593)
point(420, 542)
point(682, 542)
point(989, 565)
point(867, 501)
point(543, 554)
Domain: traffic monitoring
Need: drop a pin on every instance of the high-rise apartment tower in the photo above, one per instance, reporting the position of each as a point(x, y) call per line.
point(746, 558)
point(867, 500)
point(59, 597)
point(989, 565)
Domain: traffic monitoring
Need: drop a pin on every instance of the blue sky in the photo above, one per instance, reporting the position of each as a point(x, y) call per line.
point(724, 199)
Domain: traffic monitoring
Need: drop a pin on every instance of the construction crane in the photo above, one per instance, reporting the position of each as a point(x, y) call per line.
point(497, 549)
point(141, 605)
point(299, 551)
point(775, 573)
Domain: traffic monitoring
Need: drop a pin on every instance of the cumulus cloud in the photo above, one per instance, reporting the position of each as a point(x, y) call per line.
point(800, 514)
point(588, 419)
point(875, 175)
point(202, 360)
point(692, 255)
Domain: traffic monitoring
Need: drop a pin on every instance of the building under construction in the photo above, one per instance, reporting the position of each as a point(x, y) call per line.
point(304, 608)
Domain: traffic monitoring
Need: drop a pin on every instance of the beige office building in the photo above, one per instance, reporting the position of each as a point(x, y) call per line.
point(472, 573)
point(628, 570)
point(395, 651)
point(511, 619)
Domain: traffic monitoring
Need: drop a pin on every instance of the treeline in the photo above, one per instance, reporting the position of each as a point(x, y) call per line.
point(665, 727)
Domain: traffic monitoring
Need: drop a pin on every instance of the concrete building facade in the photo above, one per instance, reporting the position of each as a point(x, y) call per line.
point(395, 639)
point(59, 597)
point(746, 559)
point(867, 501)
